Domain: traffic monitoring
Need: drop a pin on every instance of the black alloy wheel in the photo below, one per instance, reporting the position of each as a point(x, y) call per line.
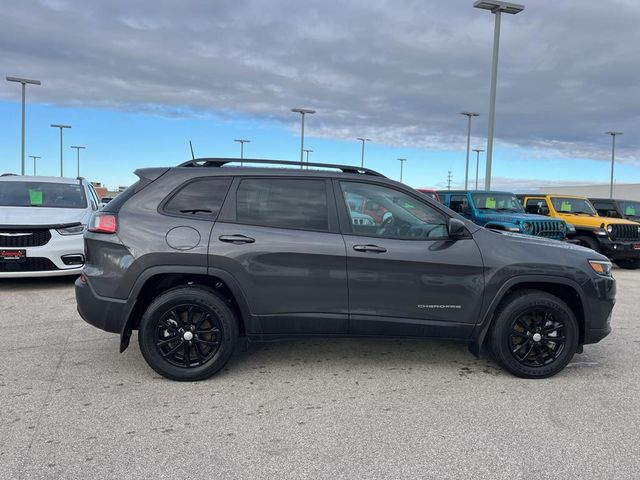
point(188, 333)
point(537, 338)
point(534, 334)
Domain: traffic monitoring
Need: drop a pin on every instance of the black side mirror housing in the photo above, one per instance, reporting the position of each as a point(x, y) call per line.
point(544, 211)
point(613, 214)
point(457, 229)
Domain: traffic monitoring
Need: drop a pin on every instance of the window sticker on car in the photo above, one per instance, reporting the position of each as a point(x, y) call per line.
point(490, 203)
point(565, 206)
point(35, 197)
point(630, 210)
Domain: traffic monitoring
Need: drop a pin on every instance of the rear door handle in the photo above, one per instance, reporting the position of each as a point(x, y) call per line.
point(237, 239)
point(369, 248)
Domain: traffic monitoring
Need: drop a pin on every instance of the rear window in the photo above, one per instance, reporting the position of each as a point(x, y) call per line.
point(283, 203)
point(201, 198)
point(42, 194)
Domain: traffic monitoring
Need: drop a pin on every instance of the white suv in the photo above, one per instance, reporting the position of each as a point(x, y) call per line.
point(41, 224)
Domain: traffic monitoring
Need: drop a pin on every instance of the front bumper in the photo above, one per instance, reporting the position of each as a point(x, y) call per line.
point(46, 260)
point(600, 300)
point(619, 249)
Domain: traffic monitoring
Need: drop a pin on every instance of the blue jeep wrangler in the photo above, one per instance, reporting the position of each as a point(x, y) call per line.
point(503, 211)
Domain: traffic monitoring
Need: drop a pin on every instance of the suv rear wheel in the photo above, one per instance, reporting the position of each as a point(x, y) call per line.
point(534, 334)
point(188, 333)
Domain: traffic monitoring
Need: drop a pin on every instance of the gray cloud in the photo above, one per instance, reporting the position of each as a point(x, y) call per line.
point(399, 72)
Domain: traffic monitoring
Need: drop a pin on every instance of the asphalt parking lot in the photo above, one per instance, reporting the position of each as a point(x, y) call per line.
point(73, 407)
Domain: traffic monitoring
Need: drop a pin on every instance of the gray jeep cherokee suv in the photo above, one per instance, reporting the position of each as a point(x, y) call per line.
point(197, 256)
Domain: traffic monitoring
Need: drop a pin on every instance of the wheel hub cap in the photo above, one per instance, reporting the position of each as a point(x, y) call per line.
point(188, 336)
point(537, 337)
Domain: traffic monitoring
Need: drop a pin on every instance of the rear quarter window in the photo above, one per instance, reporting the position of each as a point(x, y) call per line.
point(199, 198)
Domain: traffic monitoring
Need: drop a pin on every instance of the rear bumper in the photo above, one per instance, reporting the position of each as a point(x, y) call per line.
point(105, 313)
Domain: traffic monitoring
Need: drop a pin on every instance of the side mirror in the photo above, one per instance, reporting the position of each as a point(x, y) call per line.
point(612, 213)
point(457, 228)
point(544, 210)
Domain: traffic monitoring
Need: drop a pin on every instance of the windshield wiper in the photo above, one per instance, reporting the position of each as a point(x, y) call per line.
point(196, 210)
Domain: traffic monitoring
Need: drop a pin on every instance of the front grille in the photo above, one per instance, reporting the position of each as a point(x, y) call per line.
point(24, 238)
point(625, 232)
point(548, 229)
point(31, 264)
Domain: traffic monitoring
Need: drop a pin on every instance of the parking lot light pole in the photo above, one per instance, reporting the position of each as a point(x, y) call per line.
point(23, 82)
point(35, 157)
point(363, 140)
point(497, 8)
point(466, 170)
point(401, 160)
point(477, 150)
point(303, 112)
point(78, 156)
point(308, 151)
point(241, 141)
point(61, 127)
point(613, 157)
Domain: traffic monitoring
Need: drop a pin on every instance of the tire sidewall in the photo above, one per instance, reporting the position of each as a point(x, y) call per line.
point(500, 338)
point(203, 298)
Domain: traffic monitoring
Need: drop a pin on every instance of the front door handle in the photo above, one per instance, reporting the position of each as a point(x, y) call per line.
point(369, 248)
point(237, 239)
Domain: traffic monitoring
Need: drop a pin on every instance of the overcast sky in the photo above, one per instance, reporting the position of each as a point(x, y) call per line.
point(397, 71)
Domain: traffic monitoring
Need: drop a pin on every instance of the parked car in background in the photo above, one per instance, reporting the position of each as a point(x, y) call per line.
point(503, 211)
point(104, 201)
point(429, 193)
point(41, 224)
point(614, 208)
point(196, 256)
point(617, 238)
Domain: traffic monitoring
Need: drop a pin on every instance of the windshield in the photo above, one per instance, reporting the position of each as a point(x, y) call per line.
point(630, 209)
point(573, 205)
point(42, 194)
point(497, 201)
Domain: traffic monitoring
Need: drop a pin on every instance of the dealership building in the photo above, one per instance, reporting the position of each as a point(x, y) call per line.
point(625, 191)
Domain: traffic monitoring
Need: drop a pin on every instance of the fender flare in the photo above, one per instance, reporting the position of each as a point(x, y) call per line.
point(227, 278)
point(480, 333)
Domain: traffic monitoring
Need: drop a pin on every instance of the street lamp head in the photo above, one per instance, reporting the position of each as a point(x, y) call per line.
point(76, 146)
point(470, 114)
point(497, 6)
point(478, 150)
point(363, 139)
point(402, 159)
point(60, 126)
point(614, 133)
point(241, 140)
point(23, 80)
point(303, 110)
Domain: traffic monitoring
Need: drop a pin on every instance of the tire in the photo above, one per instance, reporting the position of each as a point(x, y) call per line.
point(589, 242)
point(522, 333)
point(188, 333)
point(629, 264)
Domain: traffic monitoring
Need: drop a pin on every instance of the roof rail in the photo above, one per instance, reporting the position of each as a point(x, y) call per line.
point(219, 162)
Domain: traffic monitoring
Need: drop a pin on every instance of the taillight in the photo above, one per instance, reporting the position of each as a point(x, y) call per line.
point(103, 223)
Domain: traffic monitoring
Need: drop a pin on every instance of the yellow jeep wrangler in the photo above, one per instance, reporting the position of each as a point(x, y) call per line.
point(616, 238)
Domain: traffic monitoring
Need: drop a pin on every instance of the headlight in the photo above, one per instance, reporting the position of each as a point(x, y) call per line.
point(610, 228)
point(75, 230)
point(601, 267)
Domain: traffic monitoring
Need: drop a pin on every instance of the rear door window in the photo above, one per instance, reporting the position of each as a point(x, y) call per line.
point(200, 198)
point(283, 203)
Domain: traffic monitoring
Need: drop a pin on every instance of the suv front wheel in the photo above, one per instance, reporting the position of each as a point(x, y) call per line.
point(534, 334)
point(188, 333)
